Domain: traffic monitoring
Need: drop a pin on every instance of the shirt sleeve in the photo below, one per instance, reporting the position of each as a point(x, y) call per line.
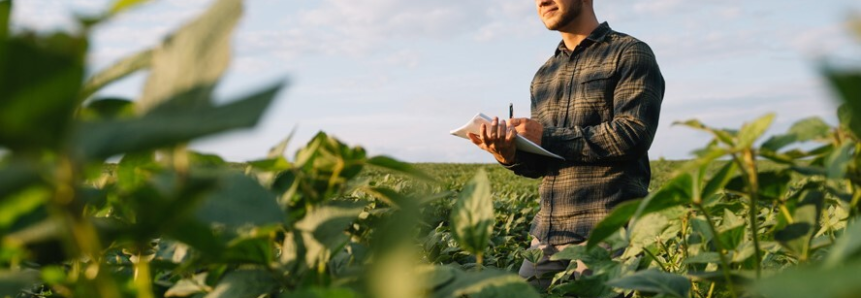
point(636, 107)
point(527, 165)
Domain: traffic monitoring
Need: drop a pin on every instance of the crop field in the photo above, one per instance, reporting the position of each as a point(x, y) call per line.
point(748, 215)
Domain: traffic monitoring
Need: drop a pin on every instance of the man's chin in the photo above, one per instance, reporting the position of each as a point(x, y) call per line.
point(555, 24)
point(552, 24)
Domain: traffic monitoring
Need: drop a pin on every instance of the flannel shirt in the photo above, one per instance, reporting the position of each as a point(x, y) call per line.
point(599, 105)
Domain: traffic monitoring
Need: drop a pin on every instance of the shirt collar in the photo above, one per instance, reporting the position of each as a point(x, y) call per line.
point(598, 35)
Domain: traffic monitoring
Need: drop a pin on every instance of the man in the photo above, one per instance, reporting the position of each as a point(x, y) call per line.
point(596, 103)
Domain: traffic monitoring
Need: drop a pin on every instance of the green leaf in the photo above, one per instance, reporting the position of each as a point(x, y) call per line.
point(596, 259)
point(703, 258)
point(677, 191)
point(244, 283)
point(117, 71)
point(272, 164)
point(796, 237)
point(238, 201)
point(736, 277)
point(20, 204)
point(617, 219)
point(773, 184)
point(321, 293)
point(719, 180)
point(16, 176)
point(750, 132)
point(169, 127)
point(5, 12)
point(279, 149)
point(810, 129)
point(806, 281)
point(12, 283)
point(645, 232)
point(731, 237)
point(392, 197)
point(198, 236)
point(486, 283)
point(533, 255)
point(107, 109)
point(777, 142)
point(121, 5)
point(587, 286)
point(847, 85)
point(654, 281)
point(804, 130)
point(256, 250)
point(472, 215)
point(724, 136)
point(195, 55)
point(206, 160)
point(838, 161)
point(135, 169)
point(323, 229)
point(189, 286)
point(848, 245)
point(402, 167)
point(39, 80)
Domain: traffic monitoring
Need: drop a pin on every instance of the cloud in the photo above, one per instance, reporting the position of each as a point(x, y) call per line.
point(360, 28)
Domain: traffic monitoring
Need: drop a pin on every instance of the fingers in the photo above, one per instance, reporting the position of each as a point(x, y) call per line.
point(494, 127)
point(502, 130)
point(510, 134)
point(474, 138)
point(483, 131)
point(497, 137)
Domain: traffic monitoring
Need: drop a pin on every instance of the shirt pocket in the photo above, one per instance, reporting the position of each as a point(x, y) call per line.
point(592, 104)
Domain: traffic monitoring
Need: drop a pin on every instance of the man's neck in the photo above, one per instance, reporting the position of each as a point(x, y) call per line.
point(578, 30)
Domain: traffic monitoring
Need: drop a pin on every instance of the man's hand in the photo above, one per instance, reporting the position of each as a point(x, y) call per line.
point(528, 128)
point(498, 139)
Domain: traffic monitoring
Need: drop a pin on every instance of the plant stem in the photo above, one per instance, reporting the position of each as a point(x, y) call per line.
point(711, 290)
point(479, 257)
point(684, 235)
point(654, 257)
point(719, 245)
point(753, 190)
point(785, 212)
point(143, 277)
point(82, 237)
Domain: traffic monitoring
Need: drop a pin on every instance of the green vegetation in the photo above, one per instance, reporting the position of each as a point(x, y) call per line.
point(746, 218)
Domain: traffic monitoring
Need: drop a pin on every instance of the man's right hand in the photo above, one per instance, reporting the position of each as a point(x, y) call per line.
point(498, 139)
point(530, 129)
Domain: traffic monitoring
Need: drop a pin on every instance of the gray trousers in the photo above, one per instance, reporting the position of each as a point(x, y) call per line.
point(541, 274)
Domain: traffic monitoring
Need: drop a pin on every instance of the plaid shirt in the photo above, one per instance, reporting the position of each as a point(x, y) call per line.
point(599, 105)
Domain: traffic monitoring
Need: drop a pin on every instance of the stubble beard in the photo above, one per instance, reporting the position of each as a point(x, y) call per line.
point(567, 17)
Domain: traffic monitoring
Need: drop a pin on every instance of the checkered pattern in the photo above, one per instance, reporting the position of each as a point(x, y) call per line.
point(599, 105)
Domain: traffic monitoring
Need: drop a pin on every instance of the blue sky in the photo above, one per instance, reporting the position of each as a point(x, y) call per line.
point(395, 76)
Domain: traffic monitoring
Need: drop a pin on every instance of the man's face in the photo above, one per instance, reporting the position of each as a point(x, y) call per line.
point(557, 14)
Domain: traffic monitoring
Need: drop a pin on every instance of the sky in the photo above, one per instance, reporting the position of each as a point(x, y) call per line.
point(395, 76)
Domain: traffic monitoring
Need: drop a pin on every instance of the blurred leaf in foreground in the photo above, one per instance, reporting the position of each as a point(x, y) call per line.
point(195, 55)
point(472, 215)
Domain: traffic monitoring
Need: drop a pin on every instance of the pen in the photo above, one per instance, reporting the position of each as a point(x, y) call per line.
point(510, 110)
